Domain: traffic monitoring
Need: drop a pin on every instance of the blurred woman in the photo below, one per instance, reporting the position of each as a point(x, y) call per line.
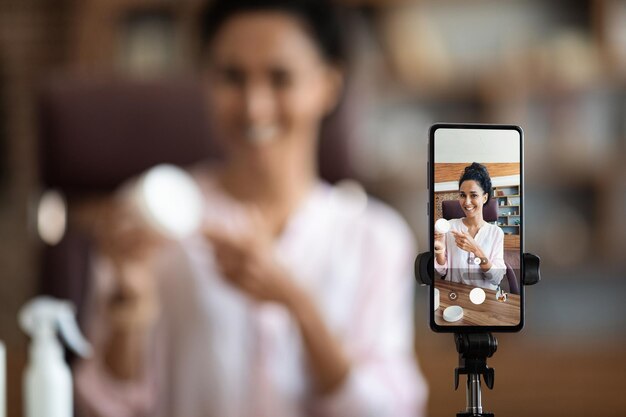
point(297, 298)
point(473, 252)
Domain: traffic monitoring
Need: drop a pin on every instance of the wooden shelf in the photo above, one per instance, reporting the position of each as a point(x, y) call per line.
point(510, 209)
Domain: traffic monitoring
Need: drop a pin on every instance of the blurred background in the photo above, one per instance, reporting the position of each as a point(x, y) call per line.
point(557, 68)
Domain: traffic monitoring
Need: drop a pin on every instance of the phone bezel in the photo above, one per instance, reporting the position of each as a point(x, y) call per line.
point(431, 214)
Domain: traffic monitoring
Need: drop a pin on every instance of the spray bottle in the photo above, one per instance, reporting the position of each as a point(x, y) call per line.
point(47, 380)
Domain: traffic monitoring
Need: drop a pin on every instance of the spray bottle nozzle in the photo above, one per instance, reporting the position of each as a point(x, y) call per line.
point(42, 316)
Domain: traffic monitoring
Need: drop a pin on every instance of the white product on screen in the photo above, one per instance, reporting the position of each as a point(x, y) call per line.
point(436, 303)
point(453, 313)
point(170, 201)
point(477, 296)
point(442, 226)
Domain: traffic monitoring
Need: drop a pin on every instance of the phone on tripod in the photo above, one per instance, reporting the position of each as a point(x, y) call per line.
point(476, 221)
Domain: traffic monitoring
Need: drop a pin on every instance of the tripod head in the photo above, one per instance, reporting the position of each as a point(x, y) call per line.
point(474, 349)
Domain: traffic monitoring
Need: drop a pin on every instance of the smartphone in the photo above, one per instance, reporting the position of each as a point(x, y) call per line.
point(476, 221)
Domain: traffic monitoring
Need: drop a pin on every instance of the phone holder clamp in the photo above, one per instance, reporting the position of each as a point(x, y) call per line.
point(424, 269)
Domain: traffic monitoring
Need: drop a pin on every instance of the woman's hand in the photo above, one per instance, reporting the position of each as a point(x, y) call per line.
point(248, 262)
point(440, 248)
point(440, 243)
point(132, 307)
point(120, 233)
point(466, 242)
point(129, 246)
point(133, 304)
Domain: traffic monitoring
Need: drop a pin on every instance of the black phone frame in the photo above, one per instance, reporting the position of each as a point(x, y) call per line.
point(431, 215)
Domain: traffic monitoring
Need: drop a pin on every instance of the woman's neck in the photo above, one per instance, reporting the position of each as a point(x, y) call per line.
point(476, 221)
point(275, 189)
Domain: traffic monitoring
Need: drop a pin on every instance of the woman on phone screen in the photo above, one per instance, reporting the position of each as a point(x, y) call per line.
point(473, 251)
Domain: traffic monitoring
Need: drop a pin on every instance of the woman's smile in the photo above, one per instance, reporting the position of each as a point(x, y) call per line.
point(261, 133)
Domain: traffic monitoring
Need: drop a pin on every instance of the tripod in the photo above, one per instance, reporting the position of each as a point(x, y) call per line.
point(475, 348)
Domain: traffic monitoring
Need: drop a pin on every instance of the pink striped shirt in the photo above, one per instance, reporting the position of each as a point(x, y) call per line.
point(217, 353)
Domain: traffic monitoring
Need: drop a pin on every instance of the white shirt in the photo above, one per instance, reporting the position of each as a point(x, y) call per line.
point(460, 266)
point(217, 353)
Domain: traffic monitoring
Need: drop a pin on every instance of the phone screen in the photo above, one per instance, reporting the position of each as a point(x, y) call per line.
point(476, 227)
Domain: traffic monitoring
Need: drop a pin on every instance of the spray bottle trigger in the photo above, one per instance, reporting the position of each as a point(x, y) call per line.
point(70, 331)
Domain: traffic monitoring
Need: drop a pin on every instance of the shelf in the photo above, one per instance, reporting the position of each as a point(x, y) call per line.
point(511, 195)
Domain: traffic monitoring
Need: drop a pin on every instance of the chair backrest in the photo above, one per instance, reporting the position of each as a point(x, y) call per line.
point(94, 134)
point(451, 209)
point(511, 279)
point(97, 133)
